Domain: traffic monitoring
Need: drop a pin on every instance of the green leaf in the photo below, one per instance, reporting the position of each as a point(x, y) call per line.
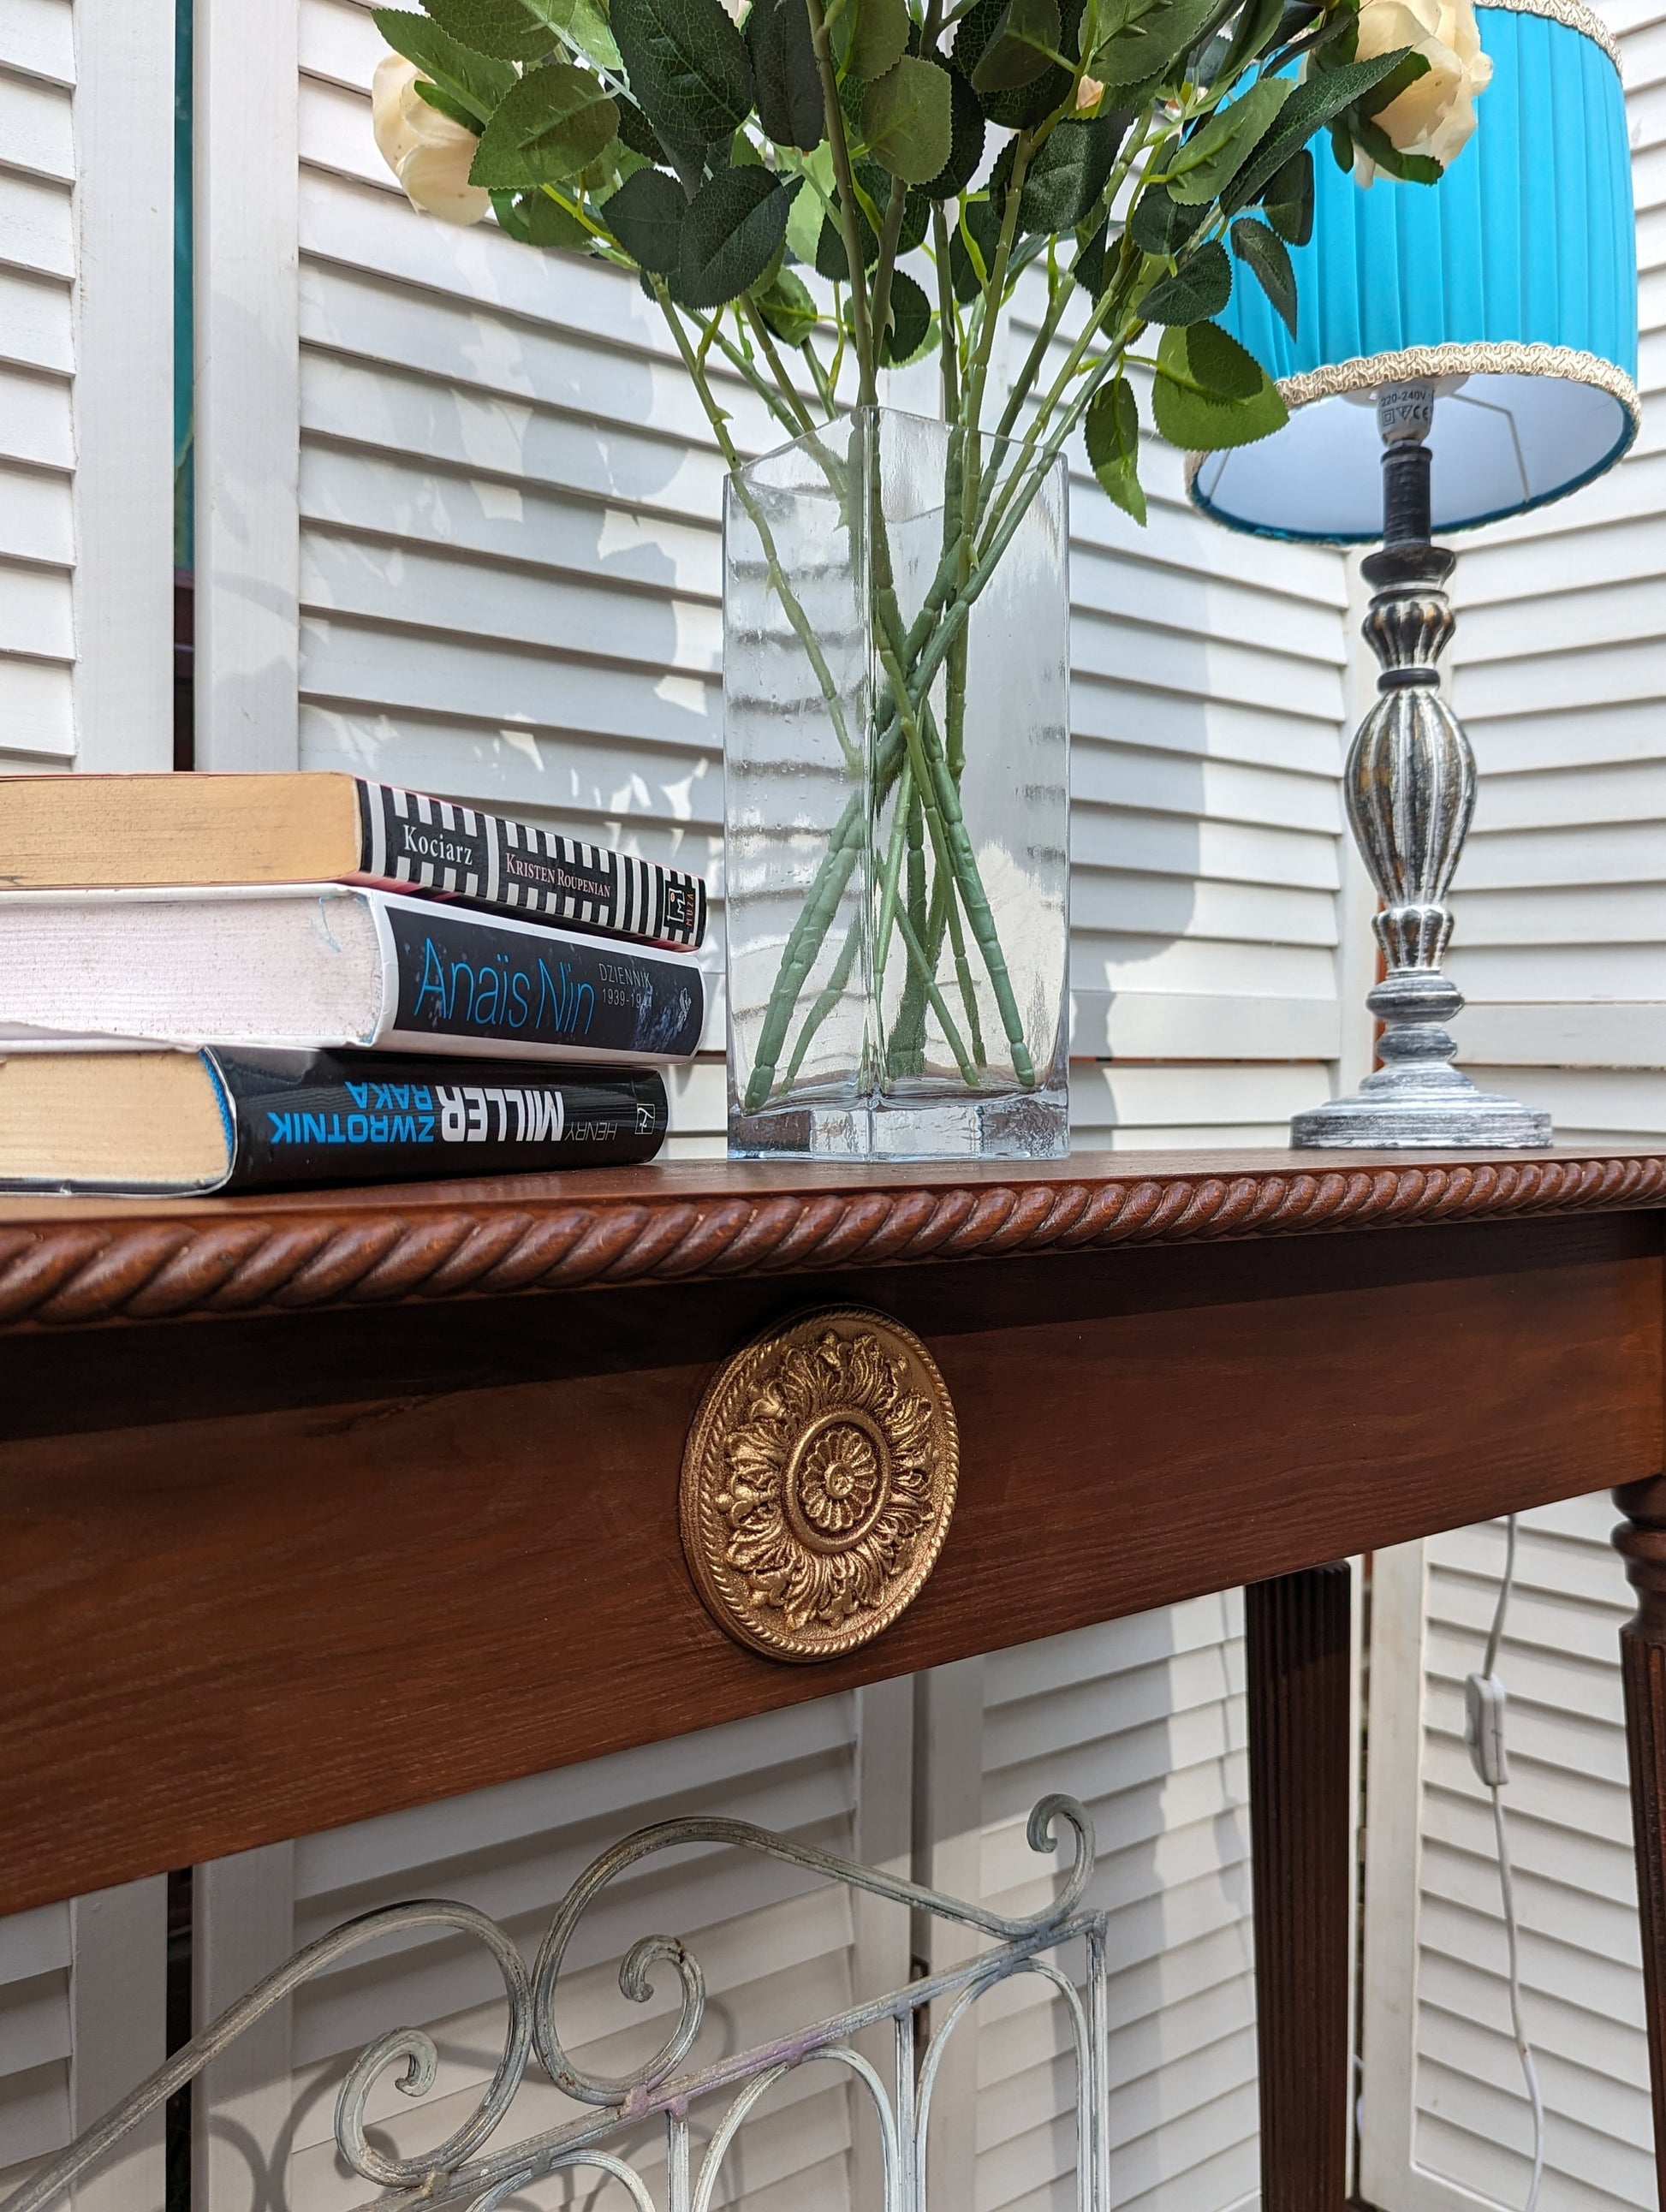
point(1158, 225)
point(585, 21)
point(507, 28)
point(443, 104)
point(554, 122)
point(831, 260)
point(510, 220)
point(1212, 156)
point(1208, 392)
point(1113, 447)
point(637, 132)
point(646, 215)
point(1024, 43)
point(909, 322)
point(1288, 199)
point(1265, 252)
point(1317, 100)
point(907, 119)
point(1199, 288)
point(550, 226)
point(966, 130)
point(687, 66)
point(731, 231)
point(1257, 22)
point(870, 37)
point(784, 74)
point(1142, 52)
point(1069, 175)
point(788, 308)
point(1020, 107)
point(1090, 268)
point(1410, 168)
point(804, 225)
point(1405, 73)
point(969, 264)
point(475, 79)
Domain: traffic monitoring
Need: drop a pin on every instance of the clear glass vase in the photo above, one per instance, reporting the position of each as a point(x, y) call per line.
point(895, 689)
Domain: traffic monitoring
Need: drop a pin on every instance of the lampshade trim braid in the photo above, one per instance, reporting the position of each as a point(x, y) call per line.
point(1573, 12)
point(1463, 358)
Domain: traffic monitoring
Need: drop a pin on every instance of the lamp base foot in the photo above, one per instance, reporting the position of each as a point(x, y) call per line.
point(1404, 1114)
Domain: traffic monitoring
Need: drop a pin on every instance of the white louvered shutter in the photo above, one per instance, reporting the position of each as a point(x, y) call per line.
point(1444, 2118)
point(1560, 676)
point(82, 2020)
point(778, 1948)
point(1560, 660)
point(86, 348)
point(1143, 1720)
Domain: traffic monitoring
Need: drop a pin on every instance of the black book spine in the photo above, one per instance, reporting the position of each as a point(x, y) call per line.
point(341, 1117)
point(462, 975)
point(411, 842)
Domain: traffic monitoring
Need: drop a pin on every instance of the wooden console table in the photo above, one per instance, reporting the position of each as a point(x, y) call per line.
point(276, 1471)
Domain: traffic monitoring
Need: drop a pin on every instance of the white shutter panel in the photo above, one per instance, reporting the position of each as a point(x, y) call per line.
point(1445, 2120)
point(82, 2018)
point(1143, 1720)
point(1560, 674)
point(85, 345)
point(778, 1948)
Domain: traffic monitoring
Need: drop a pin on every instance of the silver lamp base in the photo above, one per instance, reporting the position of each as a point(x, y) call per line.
point(1404, 1115)
point(1417, 1097)
point(1410, 791)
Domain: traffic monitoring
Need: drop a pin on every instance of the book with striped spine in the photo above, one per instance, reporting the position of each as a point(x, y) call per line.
point(121, 832)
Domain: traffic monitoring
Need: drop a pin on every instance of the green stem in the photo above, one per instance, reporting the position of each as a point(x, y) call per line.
point(829, 996)
point(906, 1052)
point(766, 340)
point(885, 267)
point(946, 1019)
point(867, 393)
point(948, 336)
point(947, 829)
point(794, 612)
point(888, 884)
point(996, 286)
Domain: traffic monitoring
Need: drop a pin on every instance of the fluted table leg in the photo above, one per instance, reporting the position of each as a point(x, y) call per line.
point(1300, 1714)
point(1641, 1539)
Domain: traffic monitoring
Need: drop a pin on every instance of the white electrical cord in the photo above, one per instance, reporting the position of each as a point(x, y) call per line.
point(1484, 1708)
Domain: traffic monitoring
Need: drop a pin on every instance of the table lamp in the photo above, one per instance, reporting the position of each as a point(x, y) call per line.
point(1465, 351)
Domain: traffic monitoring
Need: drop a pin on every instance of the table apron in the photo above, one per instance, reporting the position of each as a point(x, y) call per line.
point(263, 1578)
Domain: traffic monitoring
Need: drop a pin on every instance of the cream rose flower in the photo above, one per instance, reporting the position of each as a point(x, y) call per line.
point(428, 153)
point(1435, 115)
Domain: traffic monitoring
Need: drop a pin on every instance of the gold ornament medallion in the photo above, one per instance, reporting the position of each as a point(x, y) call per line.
point(817, 1482)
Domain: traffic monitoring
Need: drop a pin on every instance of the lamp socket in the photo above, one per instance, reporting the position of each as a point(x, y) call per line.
point(1405, 412)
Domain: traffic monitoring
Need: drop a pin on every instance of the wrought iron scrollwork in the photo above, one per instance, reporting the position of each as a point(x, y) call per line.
point(464, 2172)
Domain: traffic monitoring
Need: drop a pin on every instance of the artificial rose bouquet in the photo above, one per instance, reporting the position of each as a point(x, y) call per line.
point(826, 188)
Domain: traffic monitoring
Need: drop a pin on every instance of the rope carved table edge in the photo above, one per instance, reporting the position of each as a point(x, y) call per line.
point(150, 1269)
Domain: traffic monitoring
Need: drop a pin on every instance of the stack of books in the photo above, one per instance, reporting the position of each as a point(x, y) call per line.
point(214, 982)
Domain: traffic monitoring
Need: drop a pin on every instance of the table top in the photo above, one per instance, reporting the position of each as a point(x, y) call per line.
point(66, 1261)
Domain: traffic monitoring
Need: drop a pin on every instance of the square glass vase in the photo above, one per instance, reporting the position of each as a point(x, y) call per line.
point(896, 764)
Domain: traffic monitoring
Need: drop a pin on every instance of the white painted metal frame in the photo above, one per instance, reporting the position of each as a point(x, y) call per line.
point(1389, 2174)
point(467, 2171)
point(124, 381)
point(247, 383)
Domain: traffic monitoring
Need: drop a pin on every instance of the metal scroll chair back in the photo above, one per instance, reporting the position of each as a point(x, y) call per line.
point(466, 2171)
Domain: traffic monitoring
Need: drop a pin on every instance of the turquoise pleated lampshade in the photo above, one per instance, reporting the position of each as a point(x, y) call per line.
point(1516, 273)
